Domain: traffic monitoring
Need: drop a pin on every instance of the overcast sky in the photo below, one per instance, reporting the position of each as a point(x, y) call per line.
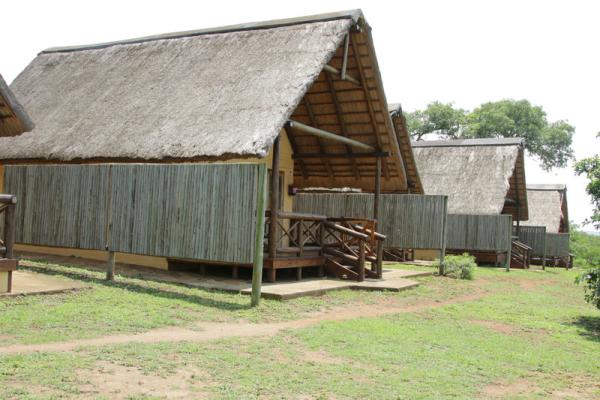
point(466, 52)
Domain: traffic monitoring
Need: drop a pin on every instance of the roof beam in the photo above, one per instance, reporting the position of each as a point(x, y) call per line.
point(338, 73)
point(345, 59)
point(340, 118)
point(357, 58)
point(375, 154)
point(313, 122)
point(328, 135)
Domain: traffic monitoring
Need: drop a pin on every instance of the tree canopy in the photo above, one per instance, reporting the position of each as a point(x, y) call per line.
point(550, 142)
point(590, 167)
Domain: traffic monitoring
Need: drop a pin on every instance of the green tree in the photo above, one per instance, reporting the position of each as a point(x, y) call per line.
point(440, 118)
point(549, 142)
point(590, 167)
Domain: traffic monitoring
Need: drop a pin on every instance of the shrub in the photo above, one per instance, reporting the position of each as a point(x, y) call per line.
point(459, 267)
point(591, 282)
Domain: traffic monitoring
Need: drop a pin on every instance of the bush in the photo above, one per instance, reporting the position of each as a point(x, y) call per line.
point(591, 280)
point(459, 267)
point(585, 248)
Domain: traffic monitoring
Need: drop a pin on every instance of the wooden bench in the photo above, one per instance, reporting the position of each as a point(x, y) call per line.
point(7, 266)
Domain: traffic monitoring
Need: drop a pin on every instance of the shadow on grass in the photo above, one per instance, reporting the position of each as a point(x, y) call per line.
point(589, 327)
point(137, 288)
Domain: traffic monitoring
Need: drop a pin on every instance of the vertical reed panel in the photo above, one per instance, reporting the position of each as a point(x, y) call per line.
point(534, 237)
point(196, 211)
point(479, 232)
point(557, 245)
point(60, 206)
point(408, 221)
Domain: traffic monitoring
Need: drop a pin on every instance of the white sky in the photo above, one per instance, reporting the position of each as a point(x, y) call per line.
point(467, 52)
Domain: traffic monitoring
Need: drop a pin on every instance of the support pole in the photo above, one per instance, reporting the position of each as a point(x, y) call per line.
point(336, 72)
point(110, 266)
point(345, 59)
point(377, 190)
point(274, 201)
point(508, 253)
point(444, 237)
point(257, 264)
point(110, 262)
point(361, 260)
point(9, 229)
point(9, 235)
point(379, 259)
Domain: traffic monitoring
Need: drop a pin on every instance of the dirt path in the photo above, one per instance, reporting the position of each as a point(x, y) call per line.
point(207, 331)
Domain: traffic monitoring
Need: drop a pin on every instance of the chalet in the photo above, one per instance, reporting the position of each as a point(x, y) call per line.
point(484, 180)
point(13, 121)
point(156, 150)
point(547, 230)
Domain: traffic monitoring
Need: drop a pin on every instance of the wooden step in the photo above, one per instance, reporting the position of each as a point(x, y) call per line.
point(340, 254)
point(340, 271)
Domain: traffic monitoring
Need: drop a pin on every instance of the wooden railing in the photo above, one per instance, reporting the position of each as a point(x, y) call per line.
point(348, 244)
point(7, 262)
point(520, 254)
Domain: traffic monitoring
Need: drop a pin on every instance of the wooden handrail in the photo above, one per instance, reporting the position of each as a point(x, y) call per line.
point(8, 199)
point(377, 235)
point(521, 245)
point(347, 231)
point(302, 216)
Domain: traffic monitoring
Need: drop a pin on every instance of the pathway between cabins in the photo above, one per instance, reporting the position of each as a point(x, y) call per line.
point(207, 331)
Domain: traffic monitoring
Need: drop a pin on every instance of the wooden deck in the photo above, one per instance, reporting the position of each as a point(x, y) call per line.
point(338, 247)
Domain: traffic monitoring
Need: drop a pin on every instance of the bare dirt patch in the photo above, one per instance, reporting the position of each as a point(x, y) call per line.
point(321, 357)
point(31, 389)
point(497, 326)
point(529, 284)
point(120, 382)
point(578, 388)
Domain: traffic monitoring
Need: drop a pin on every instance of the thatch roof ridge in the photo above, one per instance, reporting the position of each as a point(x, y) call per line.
point(354, 15)
point(547, 186)
point(469, 142)
point(15, 120)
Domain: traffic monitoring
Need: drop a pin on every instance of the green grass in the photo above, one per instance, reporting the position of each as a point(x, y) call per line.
point(529, 325)
point(131, 305)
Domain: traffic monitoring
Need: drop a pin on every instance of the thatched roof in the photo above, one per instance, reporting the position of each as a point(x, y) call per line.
point(403, 137)
point(548, 207)
point(479, 176)
point(13, 118)
point(212, 95)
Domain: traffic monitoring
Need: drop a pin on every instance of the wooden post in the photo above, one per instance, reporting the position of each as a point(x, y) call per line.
point(444, 237)
point(9, 235)
point(544, 253)
point(361, 260)
point(110, 262)
point(274, 201)
point(508, 253)
point(9, 230)
point(110, 266)
point(300, 238)
point(379, 259)
point(257, 265)
point(377, 189)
